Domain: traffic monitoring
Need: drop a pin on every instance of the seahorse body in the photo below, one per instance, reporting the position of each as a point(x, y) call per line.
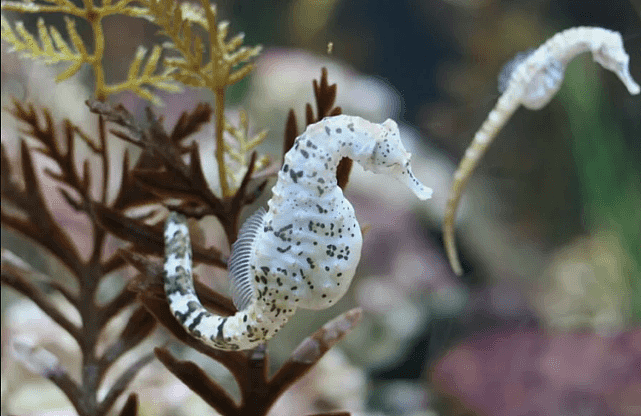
point(302, 252)
point(532, 79)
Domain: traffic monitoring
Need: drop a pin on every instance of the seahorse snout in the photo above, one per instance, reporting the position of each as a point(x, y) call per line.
point(407, 177)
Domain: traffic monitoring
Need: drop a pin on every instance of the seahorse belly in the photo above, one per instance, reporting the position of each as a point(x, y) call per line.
point(319, 245)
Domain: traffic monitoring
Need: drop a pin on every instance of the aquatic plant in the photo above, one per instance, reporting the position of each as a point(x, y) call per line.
point(194, 52)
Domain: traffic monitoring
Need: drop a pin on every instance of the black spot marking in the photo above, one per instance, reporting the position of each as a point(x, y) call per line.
point(219, 332)
point(191, 307)
point(311, 263)
point(281, 232)
point(331, 250)
point(197, 320)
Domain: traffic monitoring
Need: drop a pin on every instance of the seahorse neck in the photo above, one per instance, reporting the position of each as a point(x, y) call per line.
point(312, 149)
point(566, 45)
point(320, 148)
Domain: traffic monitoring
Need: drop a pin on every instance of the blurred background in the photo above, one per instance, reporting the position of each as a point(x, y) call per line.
point(545, 320)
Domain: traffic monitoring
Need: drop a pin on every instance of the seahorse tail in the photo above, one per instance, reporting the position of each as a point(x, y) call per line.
point(245, 329)
point(482, 140)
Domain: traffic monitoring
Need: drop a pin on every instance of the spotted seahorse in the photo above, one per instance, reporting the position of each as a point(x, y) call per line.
point(532, 79)
point(300, 253)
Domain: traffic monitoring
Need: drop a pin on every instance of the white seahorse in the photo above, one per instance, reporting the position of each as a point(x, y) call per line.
point(532, 79)
point(303, 251)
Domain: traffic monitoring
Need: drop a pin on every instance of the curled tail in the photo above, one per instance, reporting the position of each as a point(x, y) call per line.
point(244, 330)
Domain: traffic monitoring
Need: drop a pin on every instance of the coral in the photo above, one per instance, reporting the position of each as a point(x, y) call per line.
point(84, 199)
point(532, 372)
point(167, 171)
point(50, 46)
point(26, 211)
point(160, 172)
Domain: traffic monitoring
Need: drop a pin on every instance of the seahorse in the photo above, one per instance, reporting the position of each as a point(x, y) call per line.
point(532, 79)
point(300, 253)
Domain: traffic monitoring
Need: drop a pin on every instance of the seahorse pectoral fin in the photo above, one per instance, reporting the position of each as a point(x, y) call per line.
point(241, 278)
point(408, 178)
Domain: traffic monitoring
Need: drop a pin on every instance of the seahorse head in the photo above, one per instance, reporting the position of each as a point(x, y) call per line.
point(386, 155)
point(611, 55)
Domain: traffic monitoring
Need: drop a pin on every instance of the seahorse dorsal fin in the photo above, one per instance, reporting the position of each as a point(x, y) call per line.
point(242, 287)
point(505, 76)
